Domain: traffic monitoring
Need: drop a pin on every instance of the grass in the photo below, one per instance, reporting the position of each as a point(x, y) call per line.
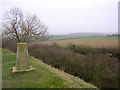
point(43, 76)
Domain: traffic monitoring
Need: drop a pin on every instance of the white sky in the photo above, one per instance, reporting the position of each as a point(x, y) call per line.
point(70, 16)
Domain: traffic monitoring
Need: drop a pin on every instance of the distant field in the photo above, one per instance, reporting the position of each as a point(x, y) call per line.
point(80, 38)
point(85, 41)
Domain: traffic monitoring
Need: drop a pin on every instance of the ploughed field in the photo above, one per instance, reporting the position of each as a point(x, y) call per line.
point(94, 42)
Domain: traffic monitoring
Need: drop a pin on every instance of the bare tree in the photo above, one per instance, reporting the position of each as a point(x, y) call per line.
point(22, 27)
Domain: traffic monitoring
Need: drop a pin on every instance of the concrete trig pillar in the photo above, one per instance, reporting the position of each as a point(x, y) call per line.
point(22, 58)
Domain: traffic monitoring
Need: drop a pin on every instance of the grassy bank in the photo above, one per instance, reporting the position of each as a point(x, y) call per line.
point(43, 76)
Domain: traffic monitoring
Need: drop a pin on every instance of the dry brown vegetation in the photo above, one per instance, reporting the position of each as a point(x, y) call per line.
point(92, 43)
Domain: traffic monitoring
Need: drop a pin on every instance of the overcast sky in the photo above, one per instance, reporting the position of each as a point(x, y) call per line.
point(70, 16)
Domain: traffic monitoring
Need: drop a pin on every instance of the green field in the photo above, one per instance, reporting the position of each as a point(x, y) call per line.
point(43, 76)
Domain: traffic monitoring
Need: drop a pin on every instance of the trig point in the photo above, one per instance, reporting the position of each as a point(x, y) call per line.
point(22, 59)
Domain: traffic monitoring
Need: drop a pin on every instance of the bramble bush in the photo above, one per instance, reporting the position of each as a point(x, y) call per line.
point(98, 69)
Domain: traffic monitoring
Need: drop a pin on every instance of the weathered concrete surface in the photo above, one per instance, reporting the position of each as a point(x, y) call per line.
point(15, 70)
point(22, 59)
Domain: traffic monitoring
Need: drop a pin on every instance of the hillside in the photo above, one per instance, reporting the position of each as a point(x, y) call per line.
point(43, 76)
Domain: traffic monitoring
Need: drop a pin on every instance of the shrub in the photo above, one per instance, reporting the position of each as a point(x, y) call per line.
point(96, 68)
point(88, 50)
point(9, 44)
